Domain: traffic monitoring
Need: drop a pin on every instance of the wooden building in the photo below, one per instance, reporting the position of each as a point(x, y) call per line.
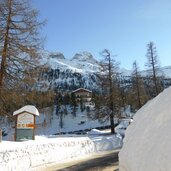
point(83, 94)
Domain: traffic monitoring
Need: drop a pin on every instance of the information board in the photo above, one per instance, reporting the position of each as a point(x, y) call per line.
point(25, 127)
point(25, 121)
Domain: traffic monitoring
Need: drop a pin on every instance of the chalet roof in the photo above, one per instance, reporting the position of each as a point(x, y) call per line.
point(81, 89)
point(29, 108)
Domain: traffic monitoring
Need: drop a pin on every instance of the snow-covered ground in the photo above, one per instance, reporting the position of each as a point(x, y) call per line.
point(147, 140)
point(49, 149)
point(48, 123)
point(33, 155)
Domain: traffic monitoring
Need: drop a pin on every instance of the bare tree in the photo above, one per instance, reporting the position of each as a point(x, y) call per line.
point(137, 88)
point(136, 81)
point(153, 66)
point(19, 42)
point(109, 68)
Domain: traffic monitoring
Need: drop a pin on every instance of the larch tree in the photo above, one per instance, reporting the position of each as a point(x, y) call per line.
point(19, 43)
point(73, 105)
point(108, 73)
point(153, 67)
point(137, 88)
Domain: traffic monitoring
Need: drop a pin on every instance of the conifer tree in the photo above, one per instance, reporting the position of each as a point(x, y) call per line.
point(136, 83)
point(137, 88)
point(19, 42)
point(73, 105)
point(82, 108)
point(107, 75)
point(153, 69)
point(61, 123)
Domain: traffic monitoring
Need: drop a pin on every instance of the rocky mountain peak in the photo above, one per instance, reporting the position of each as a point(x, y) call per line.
point(84, 57)
point(56, 55)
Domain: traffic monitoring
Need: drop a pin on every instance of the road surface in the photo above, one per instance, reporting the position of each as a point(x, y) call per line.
point(98, 162)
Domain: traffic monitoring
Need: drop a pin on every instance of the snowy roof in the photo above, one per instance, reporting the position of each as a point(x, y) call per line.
point(79, 89)
point(29, 108)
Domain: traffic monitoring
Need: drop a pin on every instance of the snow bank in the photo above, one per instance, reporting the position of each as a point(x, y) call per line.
point(106, 143)
point(30, 155)
point(24, 155)
point(147, 141)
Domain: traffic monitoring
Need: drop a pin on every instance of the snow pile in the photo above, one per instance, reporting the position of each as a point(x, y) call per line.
point(106, 143)
point(33, 155)
point(147, 142)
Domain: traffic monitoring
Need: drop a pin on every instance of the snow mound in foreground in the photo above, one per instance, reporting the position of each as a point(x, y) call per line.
point(147, 142)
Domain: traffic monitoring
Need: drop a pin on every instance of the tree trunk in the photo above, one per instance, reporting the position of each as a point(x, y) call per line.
point(111, 100)
point(5, 47)
point(138, 89)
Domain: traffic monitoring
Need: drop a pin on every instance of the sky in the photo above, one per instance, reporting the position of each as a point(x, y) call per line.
point(124, 27)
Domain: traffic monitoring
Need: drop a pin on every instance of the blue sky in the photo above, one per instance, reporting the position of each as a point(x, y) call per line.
point(122, 26)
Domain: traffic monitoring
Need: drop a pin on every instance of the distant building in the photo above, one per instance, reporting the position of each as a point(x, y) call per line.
point(86, 97)
point(83, 94)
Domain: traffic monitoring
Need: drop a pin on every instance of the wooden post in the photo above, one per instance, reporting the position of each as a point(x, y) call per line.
point(0, 135)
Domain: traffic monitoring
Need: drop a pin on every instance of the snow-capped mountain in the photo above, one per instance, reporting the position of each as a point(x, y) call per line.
point(62, 73)
point(81, 62)
point(79, 71)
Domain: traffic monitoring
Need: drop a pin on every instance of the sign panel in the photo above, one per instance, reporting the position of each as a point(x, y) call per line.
point(24, 134)
point(25, 121)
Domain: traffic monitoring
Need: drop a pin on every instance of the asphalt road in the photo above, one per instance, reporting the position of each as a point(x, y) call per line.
point(100, 162)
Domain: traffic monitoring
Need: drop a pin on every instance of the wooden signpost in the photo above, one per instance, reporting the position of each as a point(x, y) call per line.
point(0, 135)
point(25, 123)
